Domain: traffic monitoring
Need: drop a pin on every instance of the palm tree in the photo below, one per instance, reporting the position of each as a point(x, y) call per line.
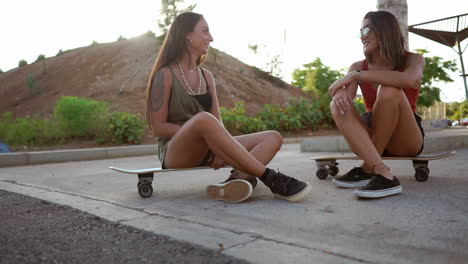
point(399, 9)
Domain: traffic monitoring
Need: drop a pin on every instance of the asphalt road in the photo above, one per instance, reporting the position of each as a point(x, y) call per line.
point(36, 231)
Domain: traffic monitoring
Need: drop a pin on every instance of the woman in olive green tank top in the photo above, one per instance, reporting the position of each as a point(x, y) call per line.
point(183, 112)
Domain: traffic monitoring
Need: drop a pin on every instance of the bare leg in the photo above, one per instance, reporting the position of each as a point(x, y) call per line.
point(394, 127)
point(262, 145)
point(357, 135)
point(204, 132)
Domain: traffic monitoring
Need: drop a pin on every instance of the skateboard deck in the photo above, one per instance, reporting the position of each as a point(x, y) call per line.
point(327, 165)
point(146, 176)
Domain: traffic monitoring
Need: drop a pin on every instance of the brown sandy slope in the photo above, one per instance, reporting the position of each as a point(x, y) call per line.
point(99, 72)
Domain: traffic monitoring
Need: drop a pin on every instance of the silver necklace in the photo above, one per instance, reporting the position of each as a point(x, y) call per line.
point(186, 83)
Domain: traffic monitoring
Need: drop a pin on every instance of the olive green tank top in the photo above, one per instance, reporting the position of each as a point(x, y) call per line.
point(182, 107)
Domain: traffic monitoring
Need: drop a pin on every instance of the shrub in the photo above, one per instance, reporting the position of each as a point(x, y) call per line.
point(94, 43)
point(22, 63)
point(1, 71)
point(307, 113)
point(278, 118)
point(40, 57)
point(79, 117)
point(121, 38)
point(236, 122)
point(28, 131)
point(125, 128)
point(359, 105)
point(33, 87)
point(60, 52)
point(150, 34)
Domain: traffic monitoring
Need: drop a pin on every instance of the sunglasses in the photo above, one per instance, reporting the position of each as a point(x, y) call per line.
point(365, 31)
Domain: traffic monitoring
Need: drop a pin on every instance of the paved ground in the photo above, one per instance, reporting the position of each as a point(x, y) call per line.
point(427, 223)
point(36, 231)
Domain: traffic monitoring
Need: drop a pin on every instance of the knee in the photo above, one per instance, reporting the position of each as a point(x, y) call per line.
point(204, 120)
point(388, 94)
point(275, 139)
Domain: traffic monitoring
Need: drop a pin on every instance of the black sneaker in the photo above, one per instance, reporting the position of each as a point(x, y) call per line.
point(232, 191)
point(285, 187)
point(235, 175)
point(378, 187)
point(356, 177)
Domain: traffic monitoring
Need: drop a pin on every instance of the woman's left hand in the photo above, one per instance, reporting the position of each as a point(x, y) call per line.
point(340, 83)
point(216, 162)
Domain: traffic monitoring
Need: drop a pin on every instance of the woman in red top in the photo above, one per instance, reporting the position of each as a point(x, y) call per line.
point(389, 79)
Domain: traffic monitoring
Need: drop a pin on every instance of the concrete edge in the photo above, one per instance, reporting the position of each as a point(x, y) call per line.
point(308, 144)
point(436, 143)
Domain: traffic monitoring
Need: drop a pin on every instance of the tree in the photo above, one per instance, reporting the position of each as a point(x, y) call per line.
point(40, 57)
point(315, 77)
point(434, 71)
point(169, 12)
point(22, 63)
point(399, 8)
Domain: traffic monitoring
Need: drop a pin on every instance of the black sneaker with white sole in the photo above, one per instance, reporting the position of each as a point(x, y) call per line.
point(285, 187)
point(379, 187)
point(235, 175)
point(356, 177)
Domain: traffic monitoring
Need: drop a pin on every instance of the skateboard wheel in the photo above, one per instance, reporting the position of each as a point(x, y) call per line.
point(145, 190)
point(422, 174)
point(322, 174)
point(333, 170)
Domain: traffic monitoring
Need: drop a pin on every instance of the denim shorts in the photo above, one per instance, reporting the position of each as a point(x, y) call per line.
point(367, 118)
point(205, 161)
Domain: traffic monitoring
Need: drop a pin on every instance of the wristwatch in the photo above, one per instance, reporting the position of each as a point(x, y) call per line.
point(358, 76)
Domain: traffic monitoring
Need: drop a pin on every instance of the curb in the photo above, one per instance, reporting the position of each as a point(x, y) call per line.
point(41, 157)
point(434, 143)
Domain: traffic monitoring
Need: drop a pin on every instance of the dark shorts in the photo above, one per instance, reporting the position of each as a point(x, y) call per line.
point(367, 118)
point(205, 161)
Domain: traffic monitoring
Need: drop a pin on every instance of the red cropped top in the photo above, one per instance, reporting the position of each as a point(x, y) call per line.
point(370, 94)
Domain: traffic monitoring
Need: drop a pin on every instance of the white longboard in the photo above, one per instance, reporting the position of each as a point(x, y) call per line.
point(153, 170)
point(327, 165)
point(145, 177)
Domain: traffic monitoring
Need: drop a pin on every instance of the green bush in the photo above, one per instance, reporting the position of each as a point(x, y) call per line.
point(60, 52)
point(79, 117)
point(40, 57)
point(125, 128)
point(308, 113)
point(359, 105)
point(121, 38)
point(236, 122)
point(28, 131)
point(1, 71)
point(150, 34)
point(33, 87)
point(22, 63)
point(278, 118)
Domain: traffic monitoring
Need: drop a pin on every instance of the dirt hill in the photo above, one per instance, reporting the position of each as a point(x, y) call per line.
point(100, 71)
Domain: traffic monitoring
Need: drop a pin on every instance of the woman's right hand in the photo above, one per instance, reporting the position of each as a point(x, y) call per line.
point(342, 101)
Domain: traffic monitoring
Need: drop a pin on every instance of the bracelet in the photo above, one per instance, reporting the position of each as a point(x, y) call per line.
point(358, 76)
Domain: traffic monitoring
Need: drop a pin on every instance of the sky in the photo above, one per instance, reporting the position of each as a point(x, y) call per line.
point(297, 30)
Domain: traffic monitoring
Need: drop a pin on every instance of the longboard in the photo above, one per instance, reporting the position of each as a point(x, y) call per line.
point(327, 165)
point(146, 176)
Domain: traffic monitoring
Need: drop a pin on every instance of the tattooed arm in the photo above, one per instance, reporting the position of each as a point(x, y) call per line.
point(159, 102)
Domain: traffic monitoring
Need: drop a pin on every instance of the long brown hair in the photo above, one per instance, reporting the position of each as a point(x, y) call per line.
point(391, 41)
point(172, 49)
